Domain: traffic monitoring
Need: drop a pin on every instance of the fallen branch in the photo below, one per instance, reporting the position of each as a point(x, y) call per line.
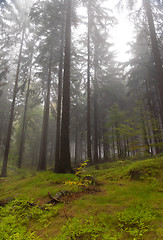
point(53, 199)
point(57, 197)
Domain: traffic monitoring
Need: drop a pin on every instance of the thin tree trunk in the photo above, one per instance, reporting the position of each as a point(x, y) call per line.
point(118, 141)
point(76, 144)
point(99, 137)
point(9, 132)
point(113, 143)
point(145, 136)
point(2, 124)
point(22, 139)
point(51, 157)
point(106, 149)
point(128, 150)
point(105, 139)
point(89, 154)
point(58, 126)
point(44, 136)
point(76, 132)
point(64, 165)
point(95, 157)
point(156, 53)
point(153, 117)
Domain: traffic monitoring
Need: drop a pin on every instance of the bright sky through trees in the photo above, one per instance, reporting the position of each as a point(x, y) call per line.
point(122, 33)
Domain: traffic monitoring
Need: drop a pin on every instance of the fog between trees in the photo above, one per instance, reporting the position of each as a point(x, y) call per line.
point(64, 97)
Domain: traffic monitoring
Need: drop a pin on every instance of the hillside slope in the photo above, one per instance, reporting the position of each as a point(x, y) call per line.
point(124, 201)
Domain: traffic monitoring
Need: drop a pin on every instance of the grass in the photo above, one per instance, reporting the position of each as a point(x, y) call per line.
point(129, 204)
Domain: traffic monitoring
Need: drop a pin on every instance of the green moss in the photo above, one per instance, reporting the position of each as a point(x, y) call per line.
point(92, 215)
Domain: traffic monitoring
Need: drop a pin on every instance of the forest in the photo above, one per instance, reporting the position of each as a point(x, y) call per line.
point(64, 97)
point(73, 113)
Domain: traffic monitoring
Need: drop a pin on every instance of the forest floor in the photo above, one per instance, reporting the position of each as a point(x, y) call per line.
point(118, 201)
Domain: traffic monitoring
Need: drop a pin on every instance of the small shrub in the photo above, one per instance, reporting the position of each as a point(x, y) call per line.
point(14, 219)
point(136, 220)
point(92, 228)
point(89, 228)
point(81, 181)
point(76, 229)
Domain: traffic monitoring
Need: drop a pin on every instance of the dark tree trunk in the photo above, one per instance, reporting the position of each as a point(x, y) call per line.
point(9, 132)
point(99, 136)
point(150, 100)
point(76, 144)
point(95, 156)
point(99, 148)
point(64, 165)
point(51, 157)
point(113, 144)
point(58, 126)
point(2, 124)
point(45, 124)
point(106, 150)
point(156, 53)
point(89, 154)
point(127, 144)
point(76, 132)
point(145, 136)
point(22, 139)
point(118, 141)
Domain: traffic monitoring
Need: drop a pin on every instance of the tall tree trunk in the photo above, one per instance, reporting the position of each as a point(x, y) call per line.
point(64, 165)
point(22, 139)
point(156, 53)
point(76, 132)
point(58, 126)
point(150, 100)
point(145, 136)
point(45, 124)
point(113, 144)
point(89, 154)
point(51, 156)
point(2, 124)
point(99, 137)
point(9, 132)
point(95, 156)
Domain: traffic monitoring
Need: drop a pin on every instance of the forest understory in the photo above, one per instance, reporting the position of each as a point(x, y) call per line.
point(113, 201)
point(77, 123)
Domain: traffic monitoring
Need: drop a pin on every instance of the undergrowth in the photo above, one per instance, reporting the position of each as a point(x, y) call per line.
point(91, 228)
point(131, 223)
point(125, 208)
point(15, 216)
point(136, 220)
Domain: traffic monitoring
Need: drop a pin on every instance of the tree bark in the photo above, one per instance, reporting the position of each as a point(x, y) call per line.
point(76, 131)
point(44, 136)
point(156, 52)
point(9, 132)
point(58, 126)
point(2, 124)
point(89, 154)
point(95, 156)
point(64, 165)
point(22, 139)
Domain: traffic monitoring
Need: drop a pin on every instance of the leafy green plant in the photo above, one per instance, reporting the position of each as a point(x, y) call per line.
point(81, 181)
point(14, 219)
point(78, 229)
point(92, 228)
point(136, 220)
